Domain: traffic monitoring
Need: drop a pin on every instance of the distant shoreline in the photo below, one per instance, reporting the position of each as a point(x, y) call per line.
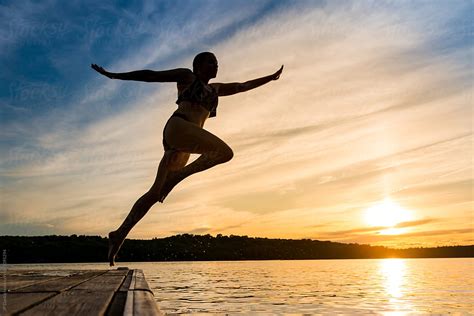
point(188, 247)
point(120, 263)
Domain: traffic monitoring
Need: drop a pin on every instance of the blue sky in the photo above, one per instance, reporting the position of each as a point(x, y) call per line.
point(368, 86)
point(47, 48)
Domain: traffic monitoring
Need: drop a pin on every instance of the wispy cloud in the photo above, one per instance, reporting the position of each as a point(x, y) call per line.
point(350, 232)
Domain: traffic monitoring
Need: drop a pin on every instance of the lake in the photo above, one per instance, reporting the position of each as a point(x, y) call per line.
point(364, 286)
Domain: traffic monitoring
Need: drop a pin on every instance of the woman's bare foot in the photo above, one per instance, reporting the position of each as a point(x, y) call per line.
point(115, 242)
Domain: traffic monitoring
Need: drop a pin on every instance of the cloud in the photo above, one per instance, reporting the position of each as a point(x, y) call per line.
point(19, 23)
point(415, 223)
point(351, 233)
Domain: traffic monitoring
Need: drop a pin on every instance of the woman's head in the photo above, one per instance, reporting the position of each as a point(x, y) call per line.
point(205, 64)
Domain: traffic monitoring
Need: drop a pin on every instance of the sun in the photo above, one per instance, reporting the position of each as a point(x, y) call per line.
point(386, 214)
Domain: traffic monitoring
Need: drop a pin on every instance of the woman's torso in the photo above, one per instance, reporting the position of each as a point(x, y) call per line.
point(194, 111)
point(194, 114)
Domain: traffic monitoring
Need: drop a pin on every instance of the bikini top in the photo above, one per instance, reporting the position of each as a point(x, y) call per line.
point(204, 95)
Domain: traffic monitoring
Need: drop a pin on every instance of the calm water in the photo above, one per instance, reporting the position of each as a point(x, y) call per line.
point(379, 286)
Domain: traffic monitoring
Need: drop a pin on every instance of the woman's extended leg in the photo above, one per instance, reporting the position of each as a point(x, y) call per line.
point(145, 202)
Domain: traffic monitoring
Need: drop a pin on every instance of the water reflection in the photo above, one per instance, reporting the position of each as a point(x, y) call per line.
point(393, 272)
point(328, 287)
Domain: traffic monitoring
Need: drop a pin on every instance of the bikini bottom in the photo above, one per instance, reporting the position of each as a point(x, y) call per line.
point(166, 146)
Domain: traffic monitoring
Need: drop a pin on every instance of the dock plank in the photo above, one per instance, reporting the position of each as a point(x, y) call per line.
point(61, 284)
point(17, 278)
point(117, 305)
point(126, 284)
point(140, 282)
point(74, 302)
point(140, 299)
point(18, 281)
point(16, 302)
point(123, 272)
point(102, 283)
point(144, 304)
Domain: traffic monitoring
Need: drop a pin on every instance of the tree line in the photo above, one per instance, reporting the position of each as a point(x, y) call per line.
point(189, 247)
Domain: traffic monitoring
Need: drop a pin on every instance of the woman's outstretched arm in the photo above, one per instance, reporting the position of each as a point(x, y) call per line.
point(224, 89)
point(173, 75)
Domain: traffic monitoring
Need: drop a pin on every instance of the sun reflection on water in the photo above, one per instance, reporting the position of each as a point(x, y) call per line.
point(393, 272)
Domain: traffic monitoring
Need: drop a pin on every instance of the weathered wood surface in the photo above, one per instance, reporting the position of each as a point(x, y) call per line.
point(61, 284)
point(74, 302)
point(144, 304)
point(17, 281)
point(16, 302)
point(91, 292)
point(139, 299)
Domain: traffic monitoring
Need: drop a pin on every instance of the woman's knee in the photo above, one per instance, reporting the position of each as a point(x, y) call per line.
point(225, 153)
point(229, 154)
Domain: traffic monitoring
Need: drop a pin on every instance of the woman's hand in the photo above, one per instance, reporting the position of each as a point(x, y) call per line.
point(277, 74)
point(102, 71)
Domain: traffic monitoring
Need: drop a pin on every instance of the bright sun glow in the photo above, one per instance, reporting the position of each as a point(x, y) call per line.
point(386, 214)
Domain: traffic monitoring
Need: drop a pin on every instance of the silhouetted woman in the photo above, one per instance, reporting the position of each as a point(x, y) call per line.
point(183, 133)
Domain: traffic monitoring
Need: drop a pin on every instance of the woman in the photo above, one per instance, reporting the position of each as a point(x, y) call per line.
point(183, 133)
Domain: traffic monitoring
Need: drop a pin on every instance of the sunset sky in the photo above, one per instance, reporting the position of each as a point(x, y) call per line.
point(366, 137)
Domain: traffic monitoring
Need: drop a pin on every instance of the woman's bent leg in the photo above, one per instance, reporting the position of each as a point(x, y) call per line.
point(194, 139)
point(204, 162)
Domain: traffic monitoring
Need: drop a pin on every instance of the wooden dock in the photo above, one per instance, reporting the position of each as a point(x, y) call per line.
point(79, 292)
